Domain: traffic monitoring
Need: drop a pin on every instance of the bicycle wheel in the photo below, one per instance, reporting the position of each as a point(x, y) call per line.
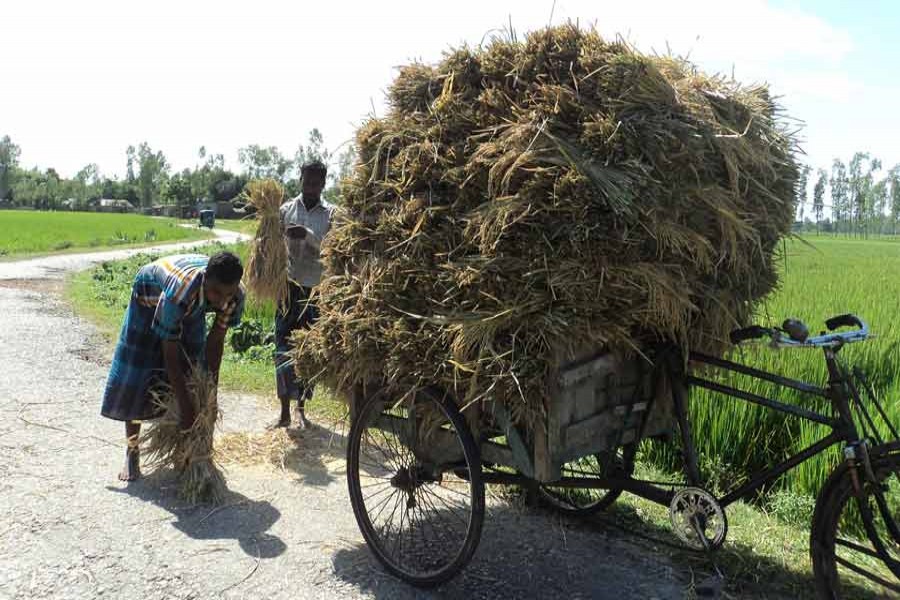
point(420, 518)
point(847, 534)
point(586, 501)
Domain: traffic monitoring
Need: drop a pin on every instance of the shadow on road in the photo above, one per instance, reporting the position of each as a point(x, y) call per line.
point(530, 554)
point(533, 553)
point(238, 518)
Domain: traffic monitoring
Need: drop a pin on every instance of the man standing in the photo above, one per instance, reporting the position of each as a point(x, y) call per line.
point(164, 334)
point(305, 220)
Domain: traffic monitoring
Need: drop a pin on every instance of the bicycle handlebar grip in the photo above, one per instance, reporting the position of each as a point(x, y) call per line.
point(748, 333)
point(843, 321)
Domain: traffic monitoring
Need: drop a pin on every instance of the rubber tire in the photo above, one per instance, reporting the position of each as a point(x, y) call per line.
point(476, 485)
point(830, 504)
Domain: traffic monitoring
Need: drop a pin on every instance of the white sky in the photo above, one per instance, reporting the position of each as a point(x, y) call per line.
point(81, 80)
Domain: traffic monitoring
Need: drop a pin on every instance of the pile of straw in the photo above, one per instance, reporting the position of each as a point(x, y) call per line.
point(247, 448)
point(191, 452)
point(267, 267)
point(527, 200)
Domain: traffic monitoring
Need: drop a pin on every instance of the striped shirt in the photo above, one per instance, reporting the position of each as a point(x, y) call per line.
point(305, 266)
point(173, 286)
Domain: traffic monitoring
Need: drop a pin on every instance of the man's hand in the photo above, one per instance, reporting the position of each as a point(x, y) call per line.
point(215, 346)
point(296, 232)
point(171, 357)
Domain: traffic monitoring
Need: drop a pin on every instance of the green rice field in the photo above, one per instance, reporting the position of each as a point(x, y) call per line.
point(37, 232)
point(822, 278)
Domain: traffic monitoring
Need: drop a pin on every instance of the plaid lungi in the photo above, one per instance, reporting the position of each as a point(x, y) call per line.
point(298, 313)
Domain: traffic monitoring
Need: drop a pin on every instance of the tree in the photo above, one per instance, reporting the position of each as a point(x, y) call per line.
point(178, 190)
point(225, 186)
point(802, 185)
point(874, 196)
point(52, 190)
point(39, 189)
point(315, 149)
point(264, 163)
point(119, 190)
point(9, 161)
point(9, 152)
point(861, 180)
point(879, 200)
point(86, 185)
point(346, 161)
point(203, 175)
point(131, 161)
point(819, 197)
point(153, 170)
point(894, 196)
point(839, 194)
point(856, 189)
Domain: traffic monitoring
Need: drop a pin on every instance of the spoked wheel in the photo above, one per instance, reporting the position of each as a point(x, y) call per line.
point(847, 535)
point(415, 485)
point(586, 501)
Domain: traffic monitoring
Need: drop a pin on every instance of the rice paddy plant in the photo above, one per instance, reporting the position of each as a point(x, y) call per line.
point(38, 232)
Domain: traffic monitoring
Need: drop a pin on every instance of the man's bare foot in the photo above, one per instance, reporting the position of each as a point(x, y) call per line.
point(132, 469)
point(284, 421)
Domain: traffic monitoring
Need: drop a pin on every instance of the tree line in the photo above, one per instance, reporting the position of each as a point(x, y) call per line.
point(151, 181)
point(855, 199)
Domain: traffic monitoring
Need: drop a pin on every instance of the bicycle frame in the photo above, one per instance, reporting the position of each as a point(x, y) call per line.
point(843, 428)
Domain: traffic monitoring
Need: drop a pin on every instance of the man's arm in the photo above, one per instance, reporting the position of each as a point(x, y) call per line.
point(172, 358)
point(215, 342)
point(215, 346)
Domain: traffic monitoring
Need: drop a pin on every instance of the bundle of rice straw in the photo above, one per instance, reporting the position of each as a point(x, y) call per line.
point(190, 453)
point(526, 200)
point(267, 267)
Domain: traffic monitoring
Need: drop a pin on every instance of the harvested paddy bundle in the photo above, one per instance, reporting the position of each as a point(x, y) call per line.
point(526, 201)
point(267, 267)
point(190, 452)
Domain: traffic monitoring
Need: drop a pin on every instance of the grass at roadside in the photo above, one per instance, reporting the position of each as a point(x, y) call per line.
point(247, 226)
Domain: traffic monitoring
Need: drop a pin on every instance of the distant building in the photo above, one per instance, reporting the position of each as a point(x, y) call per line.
point(112, 205)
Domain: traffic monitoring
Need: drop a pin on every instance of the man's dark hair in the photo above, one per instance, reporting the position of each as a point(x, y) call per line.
point(225, 267)
point(314, 168)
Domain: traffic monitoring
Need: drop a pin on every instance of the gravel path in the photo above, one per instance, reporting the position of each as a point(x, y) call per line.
point(69, 529)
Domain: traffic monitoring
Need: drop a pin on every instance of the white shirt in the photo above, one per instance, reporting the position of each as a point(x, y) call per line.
point(304, 265)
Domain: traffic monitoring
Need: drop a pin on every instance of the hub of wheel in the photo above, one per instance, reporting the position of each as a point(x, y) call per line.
point(405, 479)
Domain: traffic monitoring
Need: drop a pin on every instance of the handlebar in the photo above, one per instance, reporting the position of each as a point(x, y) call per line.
point(797, 337)
point(753, 332)
point(844, 321)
